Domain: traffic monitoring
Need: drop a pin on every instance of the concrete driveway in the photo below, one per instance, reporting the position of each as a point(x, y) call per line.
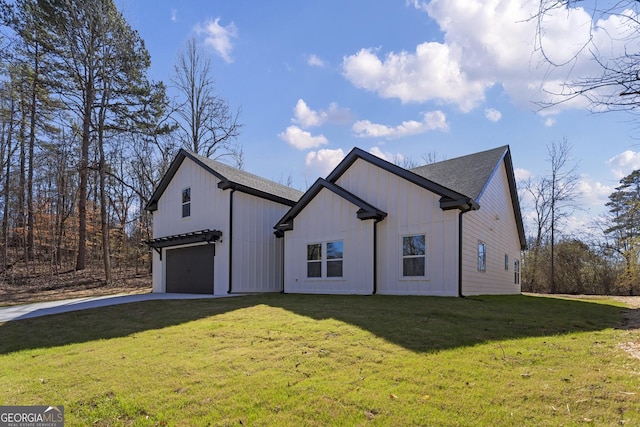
point(26, 311)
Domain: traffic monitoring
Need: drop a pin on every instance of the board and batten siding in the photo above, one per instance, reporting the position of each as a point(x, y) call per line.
point(209, 210)
point(495, 225)
point(257, 253)
point(327, 218)
point(411, 210)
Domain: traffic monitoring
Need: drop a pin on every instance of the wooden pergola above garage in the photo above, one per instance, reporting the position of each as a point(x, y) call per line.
point(208, 236)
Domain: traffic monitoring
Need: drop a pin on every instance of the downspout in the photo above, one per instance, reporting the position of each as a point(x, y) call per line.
point(282, 263)
point(230, 239)
point(460, 294)
point(375, 256)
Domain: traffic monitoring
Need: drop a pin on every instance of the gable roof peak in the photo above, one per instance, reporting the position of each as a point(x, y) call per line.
point(230, 178)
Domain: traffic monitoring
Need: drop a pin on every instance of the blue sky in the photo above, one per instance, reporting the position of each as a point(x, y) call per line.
point(399, 79)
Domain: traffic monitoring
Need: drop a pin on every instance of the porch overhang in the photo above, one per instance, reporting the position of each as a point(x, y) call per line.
point(208, 236)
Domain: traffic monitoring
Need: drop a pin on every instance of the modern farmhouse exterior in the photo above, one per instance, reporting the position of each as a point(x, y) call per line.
point(213, 229)
point(450, 228)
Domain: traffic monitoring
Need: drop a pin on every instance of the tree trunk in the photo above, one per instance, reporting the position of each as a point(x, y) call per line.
point(104, 220)
point(81, 260)
point(32, 140)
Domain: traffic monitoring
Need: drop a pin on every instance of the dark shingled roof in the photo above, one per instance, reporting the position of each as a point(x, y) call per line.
point(231, 178)
point(466, 175)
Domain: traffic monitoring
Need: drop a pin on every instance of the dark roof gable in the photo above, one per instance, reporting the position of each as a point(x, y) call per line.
point(230, 178)
point(460, 181)
point(449, 199)
point(366, 211)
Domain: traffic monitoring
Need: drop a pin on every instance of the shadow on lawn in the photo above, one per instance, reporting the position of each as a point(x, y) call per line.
point(420, 324)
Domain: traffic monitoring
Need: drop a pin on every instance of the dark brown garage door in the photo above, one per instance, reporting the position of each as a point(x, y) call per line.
point(190, 270)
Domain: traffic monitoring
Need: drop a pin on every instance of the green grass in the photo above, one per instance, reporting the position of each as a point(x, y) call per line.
point(328, 360)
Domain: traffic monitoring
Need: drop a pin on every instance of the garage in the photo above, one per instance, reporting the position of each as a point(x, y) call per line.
point(190, 270)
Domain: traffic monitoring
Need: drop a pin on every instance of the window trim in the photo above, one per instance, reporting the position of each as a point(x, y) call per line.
point(184, 204)
point(424, 276)
point(324, 260)
point(482, 257)
point(314, 261)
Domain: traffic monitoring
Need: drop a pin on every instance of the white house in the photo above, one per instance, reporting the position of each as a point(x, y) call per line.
point(213, 229)
point(450, 228)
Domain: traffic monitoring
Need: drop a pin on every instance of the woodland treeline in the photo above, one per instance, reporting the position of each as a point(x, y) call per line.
point(85, 135)
point(601, 258)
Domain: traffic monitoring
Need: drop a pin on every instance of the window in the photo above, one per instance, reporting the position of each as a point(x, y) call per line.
point(314, 260)
point(329, 265)
point(414, 255)
point(516, 272)
point(506, 262)
point(186, 202)
point(334, 259)
point(482, 256)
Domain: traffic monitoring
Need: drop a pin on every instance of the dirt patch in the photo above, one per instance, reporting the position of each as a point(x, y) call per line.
point(71, 284)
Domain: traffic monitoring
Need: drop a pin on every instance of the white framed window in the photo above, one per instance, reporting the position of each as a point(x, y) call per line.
point(335, 256)
point(186, 202)
point(325, 259)
point(414, 255)
point(506, 262)
point(314, 260)
point(482, 256)
point(516, 272)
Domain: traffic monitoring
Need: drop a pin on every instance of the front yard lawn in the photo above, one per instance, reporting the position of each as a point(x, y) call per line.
point(328, 360)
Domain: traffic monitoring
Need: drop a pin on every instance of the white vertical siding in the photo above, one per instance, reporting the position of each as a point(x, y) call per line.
point(257, 253)
point(495, 225)
point(209, 210)
point(329, 217)
point(411, 210)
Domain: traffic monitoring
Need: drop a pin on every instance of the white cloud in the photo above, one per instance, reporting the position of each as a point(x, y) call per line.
point(493, 42)
point(315, 61)
point(550, 121)
point(219, 37)
point(174, 15)
point(389, 157)
point(433, 120)
point(432, 72)
point(594, 194)
point(323, 161)
point(302, 140)
point(307, 118)
point(522, 174)
point(624, 163)
point(492, 114)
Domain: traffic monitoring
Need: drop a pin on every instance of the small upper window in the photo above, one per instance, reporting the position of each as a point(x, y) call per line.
point(414, 255)
point(186, 202)
point(482, 256)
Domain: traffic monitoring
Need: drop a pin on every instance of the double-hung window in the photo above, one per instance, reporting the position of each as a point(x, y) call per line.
point(325, 259)
point(482, 256)
point(186, 202)
point(335, 254)
point(314, 260)
point(414, 255)
point(516, 272)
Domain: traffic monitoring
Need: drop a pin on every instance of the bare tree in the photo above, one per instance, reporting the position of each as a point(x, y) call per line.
point(552, 197)
point(617, 86)
point(206, 124)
